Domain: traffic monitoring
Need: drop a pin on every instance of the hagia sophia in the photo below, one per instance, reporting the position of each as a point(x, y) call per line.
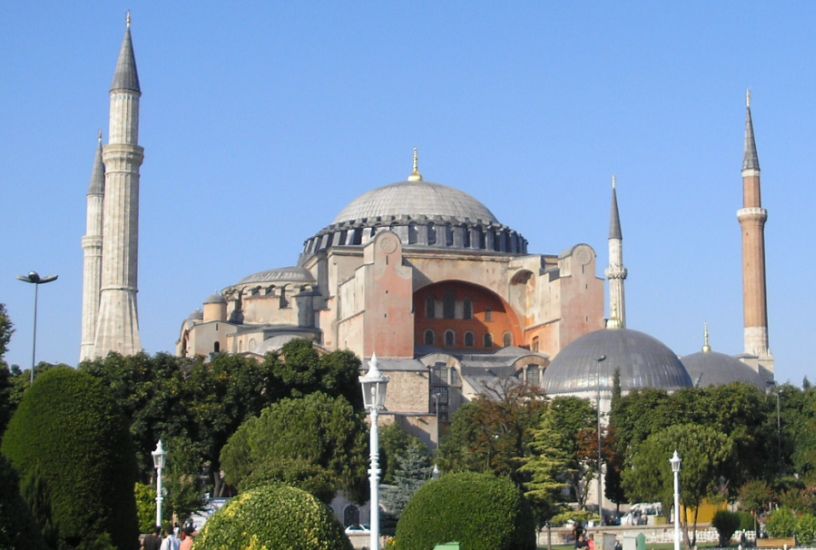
point(449, 298)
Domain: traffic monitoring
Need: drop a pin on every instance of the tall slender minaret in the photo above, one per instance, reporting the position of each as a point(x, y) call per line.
point(616, 273)
point(117, 327)
point(92, 251)
point(752, 223)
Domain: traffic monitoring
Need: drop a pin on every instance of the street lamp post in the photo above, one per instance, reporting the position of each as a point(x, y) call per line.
point(599, 360)
point(35, 279)
point(675, 466)
point(374, 386)
point(159, 455)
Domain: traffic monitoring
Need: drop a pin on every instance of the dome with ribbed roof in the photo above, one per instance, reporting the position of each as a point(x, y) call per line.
point(416, 199)
point(590, 362)
point(710, 368)
point(293, 274)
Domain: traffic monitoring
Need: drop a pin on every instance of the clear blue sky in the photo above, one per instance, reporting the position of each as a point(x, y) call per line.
point(261, 120)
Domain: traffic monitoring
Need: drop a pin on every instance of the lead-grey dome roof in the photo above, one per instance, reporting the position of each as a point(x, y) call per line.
point(293, 274)
point(415, 199)
point(642, 361)
point(709, 368)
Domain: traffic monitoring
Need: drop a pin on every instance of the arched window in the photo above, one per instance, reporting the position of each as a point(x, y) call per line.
point(488, 340)
point(351, 515)
point(534, 344)
point(466, 240)
point(533, 375)
point(216, 347)
point(430, 307)
point(412, 233)
point(488, 314)
point(470, 341)
point(507, 340)
point(468, 309)
point(450, 338)
point(448, 305)
point(448, 235)
point(431, 233)
point(429, 337)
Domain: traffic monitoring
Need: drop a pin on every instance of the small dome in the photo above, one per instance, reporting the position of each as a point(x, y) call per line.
point(215, 299)
point(197, 315)
point(641, 360)
point(283, 274)
point(709, 368)
point(416, 199)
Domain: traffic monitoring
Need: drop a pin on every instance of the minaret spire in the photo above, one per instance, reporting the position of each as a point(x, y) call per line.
point(415, 173)
point(616, 272)
point(706, 339)
point(117, 326)
point(92, 254)
point(752, 217)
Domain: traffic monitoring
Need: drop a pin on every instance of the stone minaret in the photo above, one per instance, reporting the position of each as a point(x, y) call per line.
point(92, 251)
point(616, 273)
point(752, 223)
point(117, 327)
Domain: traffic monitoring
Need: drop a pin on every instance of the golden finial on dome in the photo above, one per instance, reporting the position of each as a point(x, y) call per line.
point(415, 174)
point(706, 340)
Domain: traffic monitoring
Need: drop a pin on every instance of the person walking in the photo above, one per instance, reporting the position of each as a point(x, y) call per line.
point(153, 540)
point(186, 538)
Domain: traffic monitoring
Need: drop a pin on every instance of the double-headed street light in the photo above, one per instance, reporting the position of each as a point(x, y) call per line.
point(159, 456)
point(675, 466)
point(35, 279)
point(374, 386)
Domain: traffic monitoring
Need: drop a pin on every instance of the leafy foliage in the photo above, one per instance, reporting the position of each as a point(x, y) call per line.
point(316, 442)
point(70, 443)
point(806, 529)
point(394, 443)
point(6, 330)
point(726, 523)
point(17, 528)
point(781, 523)
point(273, 517)
point(145, 506)
point(478, 510)
point(413, 470)
point(704, 453)
point(491, 435)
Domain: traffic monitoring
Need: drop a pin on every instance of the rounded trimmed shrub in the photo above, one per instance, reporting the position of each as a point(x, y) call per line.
point(273, 516)
point(480, 511)
point(726, 523)
point(71, 446)
point(781, 523)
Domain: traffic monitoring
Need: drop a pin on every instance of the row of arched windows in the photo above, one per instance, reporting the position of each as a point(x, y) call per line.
point(449, 339)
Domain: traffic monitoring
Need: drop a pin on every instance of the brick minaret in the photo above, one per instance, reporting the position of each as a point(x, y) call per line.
point(752, 223)
point(92, 252)
point(616, 273)
point(117, 327)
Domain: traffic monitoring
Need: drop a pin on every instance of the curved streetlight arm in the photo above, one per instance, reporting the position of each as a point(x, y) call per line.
point(35, 279)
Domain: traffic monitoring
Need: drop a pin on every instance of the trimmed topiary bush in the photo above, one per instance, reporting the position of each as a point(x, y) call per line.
point(781, 523)
point(726, 523)
point(270, 517)
point(479, 511)
point(71, 446)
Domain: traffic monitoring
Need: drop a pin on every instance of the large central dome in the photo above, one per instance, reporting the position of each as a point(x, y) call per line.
point(416, 199)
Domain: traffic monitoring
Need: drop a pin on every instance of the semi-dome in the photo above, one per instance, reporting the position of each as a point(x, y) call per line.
point(591, 361)
point(293, 274)
point(710, 368)
point(416, 199)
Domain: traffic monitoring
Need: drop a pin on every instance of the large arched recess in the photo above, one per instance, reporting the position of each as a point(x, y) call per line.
point(490, 314)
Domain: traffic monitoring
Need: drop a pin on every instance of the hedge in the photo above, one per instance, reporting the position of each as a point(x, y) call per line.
point(71, 446)
point(479, 511)
point(272, 517)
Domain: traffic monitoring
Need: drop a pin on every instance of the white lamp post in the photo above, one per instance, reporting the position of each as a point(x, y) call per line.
point(159, 455)
point(374, 384)
point(675, 466)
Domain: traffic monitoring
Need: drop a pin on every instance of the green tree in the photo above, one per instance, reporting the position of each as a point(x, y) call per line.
point(317, 432)
point(492, 433)
point(273, 517)
point(704, 453)
point(547, 466)
point(6, 330)
point(782, 522)
point(70, 443)
point(575, 420)
point(17, 527)
point(394, 443)
point(480, 511)
point(413, 470)
point(755, 496)
point(726, 523)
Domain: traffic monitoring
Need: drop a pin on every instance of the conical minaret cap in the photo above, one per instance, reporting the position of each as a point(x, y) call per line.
point(126, 76)
point(614, 218)
point(97, 186)
point(751, 159)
